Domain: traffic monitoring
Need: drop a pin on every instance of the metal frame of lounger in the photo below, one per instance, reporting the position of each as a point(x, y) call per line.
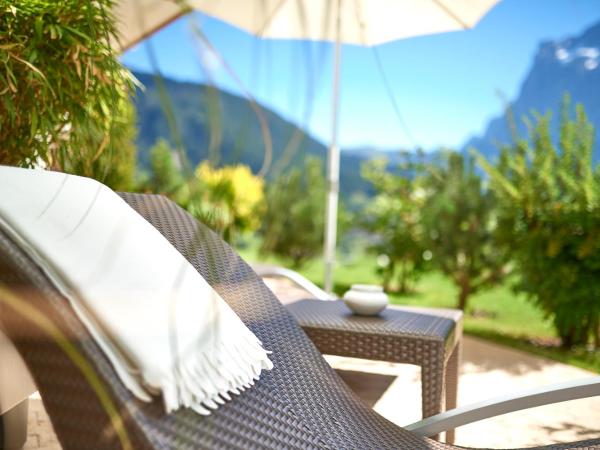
point(517, 401)
point(264, 270)
point(302, 403)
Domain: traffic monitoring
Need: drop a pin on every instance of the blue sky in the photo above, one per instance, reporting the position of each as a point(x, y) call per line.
point(447, 86)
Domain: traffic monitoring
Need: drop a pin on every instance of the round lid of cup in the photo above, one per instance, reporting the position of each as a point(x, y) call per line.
point(367, 288)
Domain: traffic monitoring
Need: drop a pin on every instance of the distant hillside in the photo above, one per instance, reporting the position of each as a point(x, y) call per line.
point(573, 66)
point(241, 141)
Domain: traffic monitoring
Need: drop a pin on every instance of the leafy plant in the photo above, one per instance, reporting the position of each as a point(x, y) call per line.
point(63, 90)
point(228, 199)
point(115, 163)
point(165, 176)
point(292, 226)
point(459, 221)
point(549, 218)
point(393, 218)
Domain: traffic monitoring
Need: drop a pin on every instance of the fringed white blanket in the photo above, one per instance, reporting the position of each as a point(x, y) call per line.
point(162, 326)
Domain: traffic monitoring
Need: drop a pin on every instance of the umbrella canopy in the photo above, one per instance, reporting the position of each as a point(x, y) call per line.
point(363, 22)
point(359, 22)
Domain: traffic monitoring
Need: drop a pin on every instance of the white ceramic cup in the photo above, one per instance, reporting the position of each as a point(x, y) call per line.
point(366, 299)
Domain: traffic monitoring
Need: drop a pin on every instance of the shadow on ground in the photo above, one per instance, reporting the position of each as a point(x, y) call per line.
point(485, 356)
point(582, 432)
point(371, 386)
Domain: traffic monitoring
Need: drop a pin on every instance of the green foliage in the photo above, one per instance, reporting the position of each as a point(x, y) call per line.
point(458, 219)
point(393, 217)
point(165, 176)
point(292, 226)
point(227, 199)
point(63, 90)
point(115, 160)
point(549, 218)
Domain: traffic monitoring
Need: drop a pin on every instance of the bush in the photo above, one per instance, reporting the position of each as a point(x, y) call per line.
point(549, 218)
point(228, 199)
point(292, 226)
point(61, 88)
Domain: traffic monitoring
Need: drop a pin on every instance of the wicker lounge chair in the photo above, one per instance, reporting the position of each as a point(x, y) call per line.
point(301, 403)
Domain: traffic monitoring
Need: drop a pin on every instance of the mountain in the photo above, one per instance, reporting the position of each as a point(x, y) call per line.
point(571, 65)
point(241, 137)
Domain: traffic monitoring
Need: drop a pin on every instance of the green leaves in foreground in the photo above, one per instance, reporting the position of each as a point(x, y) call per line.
point(62, 88)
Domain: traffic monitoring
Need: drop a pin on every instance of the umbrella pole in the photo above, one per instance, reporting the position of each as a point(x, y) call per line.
point(333, 170)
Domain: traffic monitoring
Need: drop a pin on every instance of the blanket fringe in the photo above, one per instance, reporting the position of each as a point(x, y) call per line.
point(205, 380)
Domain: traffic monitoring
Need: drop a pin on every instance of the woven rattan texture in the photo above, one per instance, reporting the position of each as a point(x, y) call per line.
point(335, 315)
point(301, 403)
point(395, 336)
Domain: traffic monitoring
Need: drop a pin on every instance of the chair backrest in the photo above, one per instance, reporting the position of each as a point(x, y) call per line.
point(301, 403)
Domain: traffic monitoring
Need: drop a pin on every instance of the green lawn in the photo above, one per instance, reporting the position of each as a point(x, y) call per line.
point(497, 314)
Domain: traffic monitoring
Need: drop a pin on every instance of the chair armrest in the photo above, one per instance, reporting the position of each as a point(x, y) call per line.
point(530, 398)
point(276, 271)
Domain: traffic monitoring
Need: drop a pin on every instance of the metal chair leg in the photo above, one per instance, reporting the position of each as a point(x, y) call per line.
point(13, 427)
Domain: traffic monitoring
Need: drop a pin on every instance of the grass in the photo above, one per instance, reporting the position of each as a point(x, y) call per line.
point(497, 314)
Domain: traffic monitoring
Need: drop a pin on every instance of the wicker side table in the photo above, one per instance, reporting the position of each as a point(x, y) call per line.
point(429, 338)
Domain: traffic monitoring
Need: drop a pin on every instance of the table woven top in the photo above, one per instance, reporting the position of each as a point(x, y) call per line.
point(423, 323)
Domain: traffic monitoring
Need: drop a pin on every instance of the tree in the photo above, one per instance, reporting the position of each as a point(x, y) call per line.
point(458, 218)
point(165, 176)
point(61, 84)
point(292, 226)
point(393, 218)
point(549, 218)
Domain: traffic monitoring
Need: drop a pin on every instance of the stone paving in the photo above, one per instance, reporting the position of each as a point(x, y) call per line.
point(487, 370)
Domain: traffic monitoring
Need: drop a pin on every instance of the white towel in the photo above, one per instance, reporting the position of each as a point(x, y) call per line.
point(162, 326)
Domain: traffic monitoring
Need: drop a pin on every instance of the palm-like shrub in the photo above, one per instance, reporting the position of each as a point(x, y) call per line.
point(63, 92)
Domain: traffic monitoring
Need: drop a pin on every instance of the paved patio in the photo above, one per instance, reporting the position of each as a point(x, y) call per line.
point(488, 370)
point(393, 390)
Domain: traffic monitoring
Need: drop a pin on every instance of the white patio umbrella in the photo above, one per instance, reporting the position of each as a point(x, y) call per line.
point(359, 22)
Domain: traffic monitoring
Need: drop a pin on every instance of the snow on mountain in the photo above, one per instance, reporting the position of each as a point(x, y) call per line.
point(568, 66)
